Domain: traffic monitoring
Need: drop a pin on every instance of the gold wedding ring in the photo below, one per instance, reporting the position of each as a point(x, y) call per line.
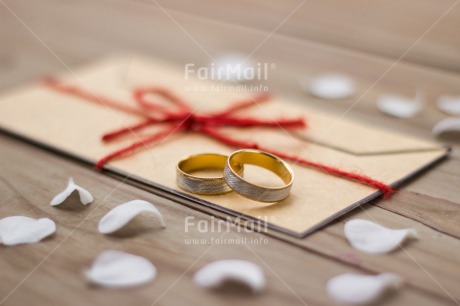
point(203, 185)
point(262, 159)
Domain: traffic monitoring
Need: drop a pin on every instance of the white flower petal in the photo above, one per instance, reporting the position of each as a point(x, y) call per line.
point(447, 125)
point(116, 269)
point(124, 213)
point(232, 67)
point(215, 274)
point(331, 86)
point(361, 289)
point(401, 107)
point(19, 229)
point(371, 237)
point(85, 196)
point(449, 104)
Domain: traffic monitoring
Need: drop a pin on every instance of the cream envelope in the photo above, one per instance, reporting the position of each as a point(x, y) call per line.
point(74, 126)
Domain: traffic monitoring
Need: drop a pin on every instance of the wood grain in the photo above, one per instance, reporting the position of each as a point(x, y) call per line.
point(375, 27)
point(443, 217)
point(51, 272)
point(308, 44)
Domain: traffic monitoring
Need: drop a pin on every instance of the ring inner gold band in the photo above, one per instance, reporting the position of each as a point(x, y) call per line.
point(204, 184)
point(264, 160)
point(201, 162)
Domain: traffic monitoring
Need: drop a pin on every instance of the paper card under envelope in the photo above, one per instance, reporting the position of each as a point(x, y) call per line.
point(74, 126)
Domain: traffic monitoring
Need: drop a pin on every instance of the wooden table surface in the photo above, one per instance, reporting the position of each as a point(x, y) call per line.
point(386, 47)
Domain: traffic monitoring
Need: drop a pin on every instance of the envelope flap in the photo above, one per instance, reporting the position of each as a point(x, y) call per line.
point(359, 139)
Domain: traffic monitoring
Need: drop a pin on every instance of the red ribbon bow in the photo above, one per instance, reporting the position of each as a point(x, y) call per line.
point(184, 119)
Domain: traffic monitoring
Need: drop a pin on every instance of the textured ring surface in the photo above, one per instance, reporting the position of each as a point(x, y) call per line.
point(203, 185)
point(264, 160)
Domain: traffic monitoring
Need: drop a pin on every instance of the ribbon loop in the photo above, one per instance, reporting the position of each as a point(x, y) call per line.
point(141, 97)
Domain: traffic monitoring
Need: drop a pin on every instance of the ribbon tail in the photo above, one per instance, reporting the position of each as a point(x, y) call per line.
point(136, 127)
point(247, 122)
point(363, 179)
point(90, 96)
point(133, 148)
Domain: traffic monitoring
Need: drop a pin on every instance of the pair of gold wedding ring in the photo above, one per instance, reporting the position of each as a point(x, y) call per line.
point(232, 178)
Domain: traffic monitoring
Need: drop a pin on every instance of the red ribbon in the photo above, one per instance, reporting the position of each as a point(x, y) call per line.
point(184, 119)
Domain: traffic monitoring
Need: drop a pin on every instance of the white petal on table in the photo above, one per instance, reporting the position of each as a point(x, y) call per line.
point(401, 107)
point(447, 125)
point(121, 215)
point(361, 289)
point(116, 269)
point(449, 104)
point(216, 273)
point(20, 229)
point(371, 237)
point(85, 196)
point(331, 86)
